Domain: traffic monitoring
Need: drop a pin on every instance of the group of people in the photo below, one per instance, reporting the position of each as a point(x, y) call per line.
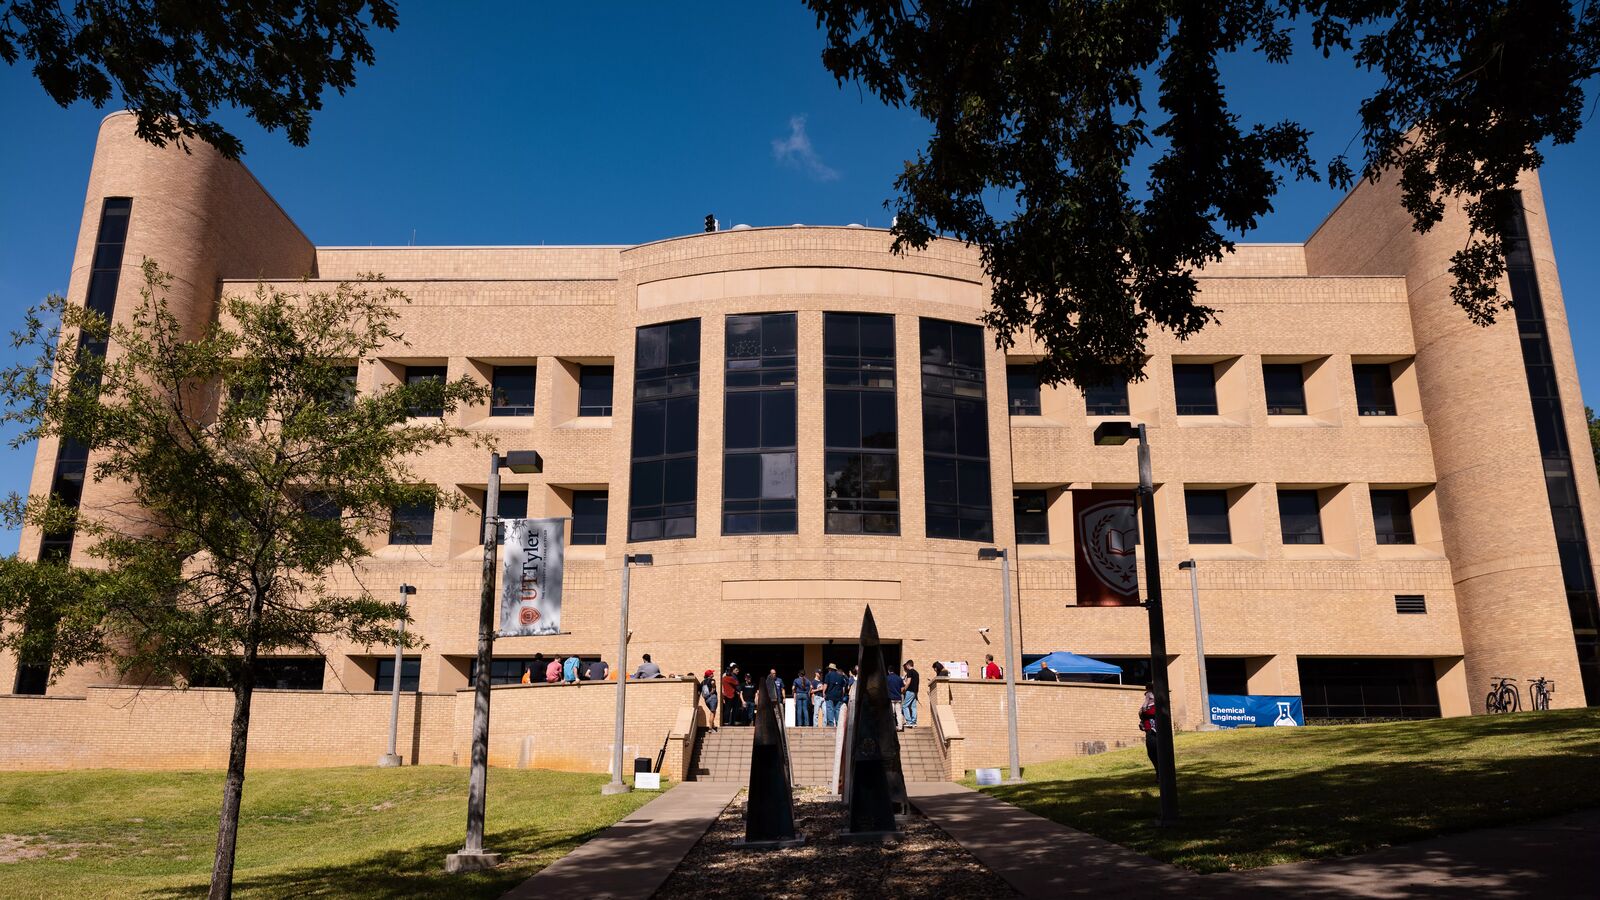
point(820, 698)
point(572, 670)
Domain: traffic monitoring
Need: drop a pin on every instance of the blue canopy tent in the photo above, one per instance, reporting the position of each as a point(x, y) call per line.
point(1064, 663)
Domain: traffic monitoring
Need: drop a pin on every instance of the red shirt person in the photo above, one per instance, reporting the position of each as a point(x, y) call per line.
point(990, 670)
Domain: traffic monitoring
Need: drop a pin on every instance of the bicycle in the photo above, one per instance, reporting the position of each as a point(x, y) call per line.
point(1539, 691)
point(1503, 695)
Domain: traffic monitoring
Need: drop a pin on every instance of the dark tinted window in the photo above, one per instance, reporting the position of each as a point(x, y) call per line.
point(513, 504)
point(513, 391)
point(860, 425)
point(1374, 389)
point(594, 390)
point(1368, 688)
point(666, 414)
point(429, 403)
point(1033, 524)
point(411, 523)
point(1286, 389)
point(1194, 385)
point(1208, 517)
point(1300, 516)
point(410, 672)
point(1391, 516)
point(955, 432)
point(758, 467)
point(1022, 391)
point(1107, 399)
point(589, 517)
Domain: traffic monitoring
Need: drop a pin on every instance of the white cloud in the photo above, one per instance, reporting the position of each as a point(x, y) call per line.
point(796, 150)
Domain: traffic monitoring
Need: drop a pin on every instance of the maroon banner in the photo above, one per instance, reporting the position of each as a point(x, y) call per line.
point(1107, 532)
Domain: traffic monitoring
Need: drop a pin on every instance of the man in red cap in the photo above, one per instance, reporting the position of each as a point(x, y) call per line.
point(708, 696)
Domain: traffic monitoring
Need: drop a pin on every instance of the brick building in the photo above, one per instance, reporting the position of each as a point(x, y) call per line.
point(1386, 504)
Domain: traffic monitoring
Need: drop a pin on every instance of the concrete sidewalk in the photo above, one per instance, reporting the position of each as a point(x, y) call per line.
point(631, 859)
point(1552, 858)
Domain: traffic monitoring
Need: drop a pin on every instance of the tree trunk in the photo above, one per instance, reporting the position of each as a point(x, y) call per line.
point(238, 743)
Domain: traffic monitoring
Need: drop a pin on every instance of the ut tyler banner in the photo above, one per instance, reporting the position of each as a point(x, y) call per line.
point(1107, 535)
point(530, 582)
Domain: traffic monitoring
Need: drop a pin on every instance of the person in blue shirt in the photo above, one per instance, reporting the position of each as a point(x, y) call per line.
point(569, 670)
point(896, 688)
point(833, 694)
point(802, 701)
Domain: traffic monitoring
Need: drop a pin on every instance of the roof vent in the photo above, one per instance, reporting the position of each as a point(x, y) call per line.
point(740, 227)
point(1410, 604)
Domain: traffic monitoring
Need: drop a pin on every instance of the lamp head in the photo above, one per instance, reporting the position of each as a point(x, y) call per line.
point(1114, 434)
point(523, 462)
point(1186, 565)
point(408, 589)
point(991, 553)
point(639, 559)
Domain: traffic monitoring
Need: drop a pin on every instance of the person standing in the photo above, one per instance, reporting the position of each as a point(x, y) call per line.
point(709, 690)
point(908, 706)
point(818, 689)
point(802, 701)
point(833, 696)
point(990, 670)
point(1148, 725)
point(747, 696)
point(895, 687)
point(730, 695)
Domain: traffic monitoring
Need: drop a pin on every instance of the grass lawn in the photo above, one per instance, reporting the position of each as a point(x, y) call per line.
point(1258, 797)
point(307, 832)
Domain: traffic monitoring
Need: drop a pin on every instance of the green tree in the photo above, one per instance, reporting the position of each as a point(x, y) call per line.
point(174, 63)
point(1594, 434)
point(1041, 137)
point(251, 483)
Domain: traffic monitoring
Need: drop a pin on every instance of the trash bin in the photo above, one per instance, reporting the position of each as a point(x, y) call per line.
point(641, 764)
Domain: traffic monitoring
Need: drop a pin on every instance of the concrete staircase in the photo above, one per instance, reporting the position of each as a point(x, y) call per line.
point(724, 755)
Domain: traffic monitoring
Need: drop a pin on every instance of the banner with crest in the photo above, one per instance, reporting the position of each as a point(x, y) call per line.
point(1107, 531)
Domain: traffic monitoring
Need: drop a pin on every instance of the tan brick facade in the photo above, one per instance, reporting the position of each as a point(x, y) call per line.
point(1363, 289)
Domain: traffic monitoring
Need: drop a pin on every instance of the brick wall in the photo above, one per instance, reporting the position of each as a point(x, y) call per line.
point(1053, 720)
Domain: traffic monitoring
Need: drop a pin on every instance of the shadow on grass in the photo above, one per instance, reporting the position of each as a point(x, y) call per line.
point(413, 872)
point(1332, 792)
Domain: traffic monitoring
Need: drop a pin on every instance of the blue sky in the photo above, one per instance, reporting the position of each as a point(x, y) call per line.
point(591, 123)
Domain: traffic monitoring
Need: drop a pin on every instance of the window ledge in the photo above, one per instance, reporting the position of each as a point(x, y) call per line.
point(1314, 551)
point(1222, 551)
point(586, 423)
point(585, 551)
point(1210, 422)
point(503, 423)
point(1036, 422)
point(1299, 422)
point(1408, 551)
point(1389, 421)
point(411, 552)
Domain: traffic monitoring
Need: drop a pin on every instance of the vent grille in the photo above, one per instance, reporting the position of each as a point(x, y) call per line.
point(1410, 604)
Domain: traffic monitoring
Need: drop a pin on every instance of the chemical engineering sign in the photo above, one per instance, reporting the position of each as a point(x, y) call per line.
point(530, 576)
point(1237, 711)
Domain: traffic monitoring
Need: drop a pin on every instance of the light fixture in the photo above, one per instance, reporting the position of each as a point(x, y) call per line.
point(1115, 434)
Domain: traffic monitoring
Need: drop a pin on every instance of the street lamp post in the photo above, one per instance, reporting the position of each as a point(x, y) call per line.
point(472, 855)
point(1199, 646)
point(617, 785)
point(1113, 434)
point(392, 759)
point(1011, 661)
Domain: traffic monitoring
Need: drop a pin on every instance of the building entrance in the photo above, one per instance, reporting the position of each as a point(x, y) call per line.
point(757, 659)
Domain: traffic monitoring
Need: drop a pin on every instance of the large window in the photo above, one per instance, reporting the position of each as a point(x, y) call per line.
point(666, 419)
point(1369, 688)
point(860, 432)
point(513, 391)
point(1286, 389)
point(1374, 389)
point(1106, 399)
point(411, 524)
point(1032, 519)
point(955, 432)
point(1022, 391)
point(410, 674)
point(589, 517)
point(428, 375)
point(758, 465)
point(1194, 386)
point(1208, 516)
point(1300, 515)
point(1391, 516)
point(513, 504)
point(594, 390)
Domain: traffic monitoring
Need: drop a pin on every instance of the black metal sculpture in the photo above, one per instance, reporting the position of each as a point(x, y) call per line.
point(875, 786)
point(769, 806)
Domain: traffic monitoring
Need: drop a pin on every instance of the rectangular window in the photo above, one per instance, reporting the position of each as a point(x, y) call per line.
point(1374, 389)
point(508, 670)
point(1208, 517)
point(1391, 516)
point(426, 375)
point(1033, 523)
point(955, 432)
point(666, 422)
point(594, 390)
point(1194, 386)
point(589, 517)
point(321, 506)
point(1107, 399)
point(513, 504)
point(411, 524)
point(860, 425)
point(291, 674)
point(410, 674)
point(513, 391)
point(1022, 390)
point(758, 465)
point(1286, 389)
point(1300, 515)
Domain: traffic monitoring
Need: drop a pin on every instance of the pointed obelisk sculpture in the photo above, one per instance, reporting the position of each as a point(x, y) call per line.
point(769, 807)
point(875, 787)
